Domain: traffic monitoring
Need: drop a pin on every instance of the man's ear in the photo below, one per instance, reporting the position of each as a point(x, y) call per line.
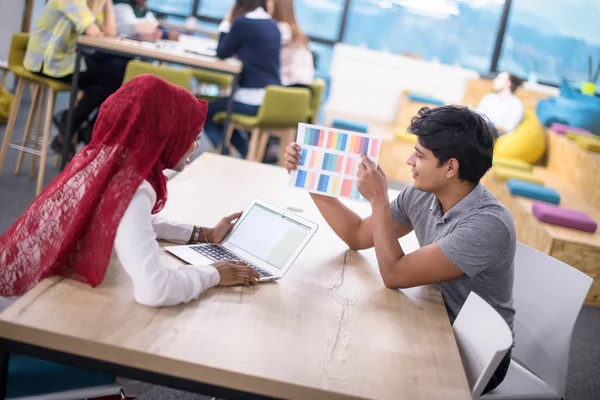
point(452, 167)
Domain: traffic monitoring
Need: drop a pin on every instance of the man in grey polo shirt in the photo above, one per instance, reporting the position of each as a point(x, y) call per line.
point(467, 237)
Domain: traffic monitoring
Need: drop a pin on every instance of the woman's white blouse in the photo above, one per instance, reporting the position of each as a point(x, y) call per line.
point(138, 251)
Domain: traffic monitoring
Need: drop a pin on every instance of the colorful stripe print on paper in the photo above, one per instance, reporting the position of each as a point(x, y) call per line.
point(334, 140)
point(328, 184)
point(341, 164)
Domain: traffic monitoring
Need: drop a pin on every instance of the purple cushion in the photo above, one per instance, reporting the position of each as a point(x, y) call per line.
point(562, 129)
point(555, 215)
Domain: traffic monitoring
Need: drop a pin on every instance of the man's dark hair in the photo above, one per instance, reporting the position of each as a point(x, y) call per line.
point(515, 82)
point(456, 132)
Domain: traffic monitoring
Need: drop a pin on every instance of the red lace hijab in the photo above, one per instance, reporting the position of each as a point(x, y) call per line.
point(145, 127)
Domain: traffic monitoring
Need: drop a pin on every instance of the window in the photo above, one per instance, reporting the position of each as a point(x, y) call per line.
point(456, 32)
point(550, 43)
point(181, 7)
point(214, 8)
point(320, 18)
point(323, 55)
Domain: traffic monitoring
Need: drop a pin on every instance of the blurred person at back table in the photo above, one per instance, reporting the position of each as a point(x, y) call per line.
point(504, 109)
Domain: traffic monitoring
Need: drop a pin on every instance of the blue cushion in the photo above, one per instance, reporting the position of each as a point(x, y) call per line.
point(29, 376)
point(572, 112)
point(419, 98)
point(533, 191)
point(350, 125)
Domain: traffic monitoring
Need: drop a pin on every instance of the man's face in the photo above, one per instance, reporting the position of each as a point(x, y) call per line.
point(428, 175)
point(501, 82)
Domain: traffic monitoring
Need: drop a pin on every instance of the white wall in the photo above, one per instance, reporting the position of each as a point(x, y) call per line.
point(11, 17)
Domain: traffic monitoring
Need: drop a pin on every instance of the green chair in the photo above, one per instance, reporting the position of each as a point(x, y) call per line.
point(223, 81)
point(318, 89)
point(176, 76)
point(43, 91)
point(282, 110)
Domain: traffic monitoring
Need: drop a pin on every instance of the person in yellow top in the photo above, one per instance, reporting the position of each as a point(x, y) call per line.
point(52, 49)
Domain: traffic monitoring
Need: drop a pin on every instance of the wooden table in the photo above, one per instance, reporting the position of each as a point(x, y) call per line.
point(329, 329)
point(154, 51)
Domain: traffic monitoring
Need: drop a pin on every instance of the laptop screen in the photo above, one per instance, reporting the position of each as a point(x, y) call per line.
point(268, 235)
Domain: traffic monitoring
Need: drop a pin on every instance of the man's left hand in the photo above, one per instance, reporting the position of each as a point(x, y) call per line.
point(372, 182)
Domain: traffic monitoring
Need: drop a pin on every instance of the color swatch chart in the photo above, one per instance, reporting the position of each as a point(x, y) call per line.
point(330, 159)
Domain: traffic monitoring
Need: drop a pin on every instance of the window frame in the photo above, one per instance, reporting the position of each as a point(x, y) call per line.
point(494, 61)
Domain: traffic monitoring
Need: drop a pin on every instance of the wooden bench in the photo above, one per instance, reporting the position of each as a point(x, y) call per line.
point(579, 167)
point(579, 249)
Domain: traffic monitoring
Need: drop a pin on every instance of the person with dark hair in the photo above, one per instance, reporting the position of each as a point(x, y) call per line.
point(249, 33)
point(467, 237)
point(502, 107)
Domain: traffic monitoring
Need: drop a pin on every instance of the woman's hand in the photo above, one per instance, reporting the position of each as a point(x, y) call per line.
point(93, 30)
point(292, 156)
point(234, 273)
point(153, 37)
point(146, 27)
point(222, 228)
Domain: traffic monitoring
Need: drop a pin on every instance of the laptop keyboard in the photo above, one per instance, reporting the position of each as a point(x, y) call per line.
point(218, 253)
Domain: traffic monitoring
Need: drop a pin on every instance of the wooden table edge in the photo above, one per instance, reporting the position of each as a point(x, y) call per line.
point(151, 364)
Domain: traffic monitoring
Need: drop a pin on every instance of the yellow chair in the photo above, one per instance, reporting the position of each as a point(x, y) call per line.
point(223, 81)
point(282, 110)
point(176, 76)
point(318, 90)
point(43, 91)
point(6, 100)
point(526, 143)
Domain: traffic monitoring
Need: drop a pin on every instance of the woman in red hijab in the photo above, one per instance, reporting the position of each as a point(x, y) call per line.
point(109, 195)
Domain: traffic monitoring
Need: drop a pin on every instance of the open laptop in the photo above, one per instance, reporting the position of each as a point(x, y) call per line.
point(266, 237)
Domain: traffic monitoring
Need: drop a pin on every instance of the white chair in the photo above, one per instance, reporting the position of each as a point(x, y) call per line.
point(548, 295)
point(483, 339)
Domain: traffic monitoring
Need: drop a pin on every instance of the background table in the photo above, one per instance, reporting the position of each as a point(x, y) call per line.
point(329, 329)
point(155, 51)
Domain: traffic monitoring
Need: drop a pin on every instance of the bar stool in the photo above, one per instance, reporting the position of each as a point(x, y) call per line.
point(44, 91)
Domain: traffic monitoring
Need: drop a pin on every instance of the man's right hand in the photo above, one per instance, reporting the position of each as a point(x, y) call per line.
point(292, 156)
point(234, 273)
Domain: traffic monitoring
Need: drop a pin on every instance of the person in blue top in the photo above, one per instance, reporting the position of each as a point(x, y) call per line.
point(249, 33)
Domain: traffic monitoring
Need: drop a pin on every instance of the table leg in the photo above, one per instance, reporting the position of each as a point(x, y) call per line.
point(4, 356)
point(71, 112)
point(234, 84)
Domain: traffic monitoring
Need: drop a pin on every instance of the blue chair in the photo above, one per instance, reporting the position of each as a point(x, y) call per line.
point(33, 378)
point(349, 125)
